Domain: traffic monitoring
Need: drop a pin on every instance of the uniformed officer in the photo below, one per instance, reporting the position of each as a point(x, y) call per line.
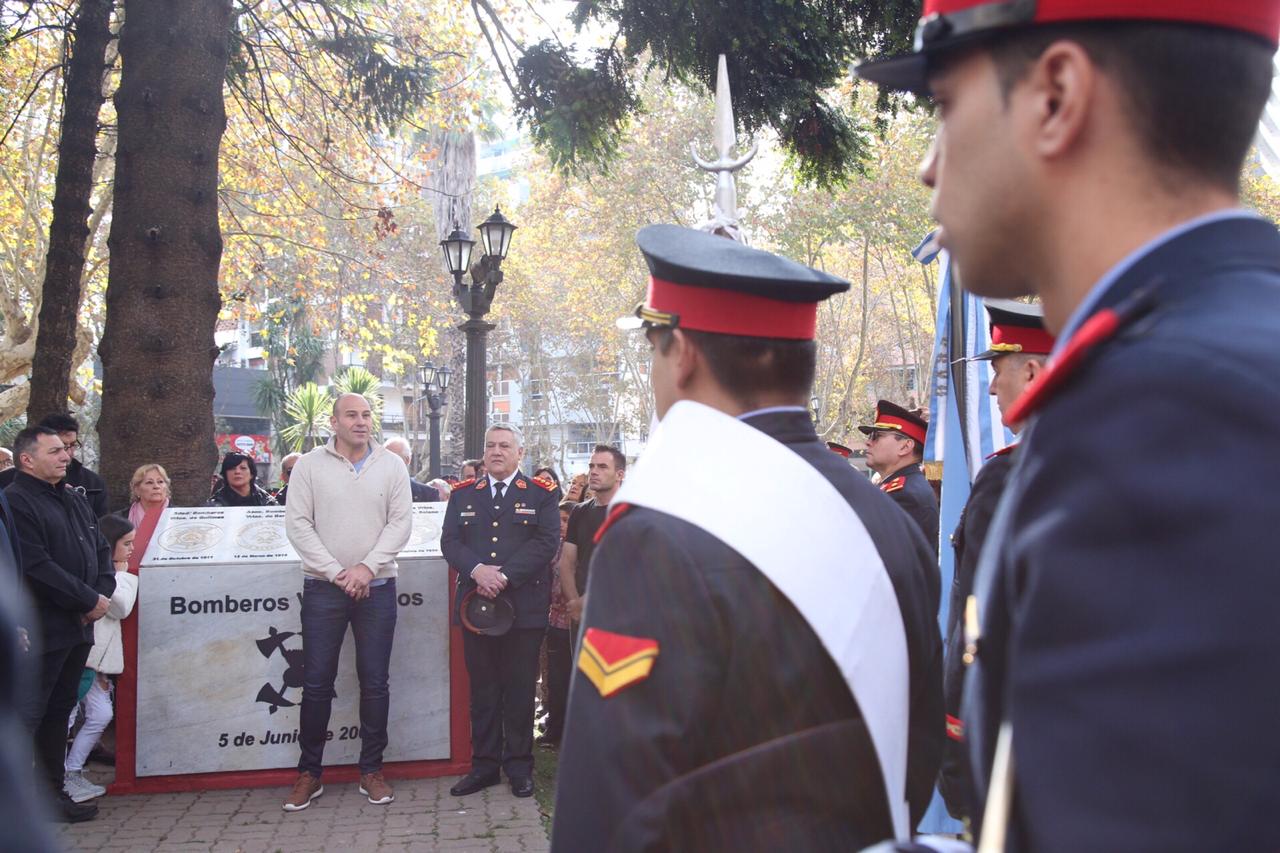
point(1020, 347)
point(500, 534)
point(895, 449)
point(755, 673)
point(1127, 665)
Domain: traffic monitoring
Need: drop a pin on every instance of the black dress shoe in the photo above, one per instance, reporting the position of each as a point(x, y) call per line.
point(522, 787)
point(66, 811)
point(474, 781)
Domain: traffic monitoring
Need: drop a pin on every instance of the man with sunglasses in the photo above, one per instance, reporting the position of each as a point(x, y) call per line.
point(895, 449)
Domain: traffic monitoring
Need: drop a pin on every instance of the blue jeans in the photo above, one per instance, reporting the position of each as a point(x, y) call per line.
point(326, 612)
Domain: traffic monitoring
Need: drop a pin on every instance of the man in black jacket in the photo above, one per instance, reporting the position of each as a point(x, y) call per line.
point(1126, 671)
point(1020, 346)
point(500, 535)
point(67, 567)
point(84, 481)
point(753, 674)
point(895, 449)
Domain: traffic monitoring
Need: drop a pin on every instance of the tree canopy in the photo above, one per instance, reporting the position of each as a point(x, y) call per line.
point(783, 58)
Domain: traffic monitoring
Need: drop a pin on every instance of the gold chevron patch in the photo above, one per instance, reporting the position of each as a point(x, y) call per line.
point(614, 661)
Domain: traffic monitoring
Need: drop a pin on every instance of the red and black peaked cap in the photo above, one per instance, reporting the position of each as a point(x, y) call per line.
point(948, 24)
point(707, 283)
point(894, 418)
point(1016, 327)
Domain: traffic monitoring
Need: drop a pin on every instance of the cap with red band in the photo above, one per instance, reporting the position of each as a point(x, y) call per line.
point(839, 449)
point(891, 417)
point(708, 283)
point(1016, 327)
point(945, 24)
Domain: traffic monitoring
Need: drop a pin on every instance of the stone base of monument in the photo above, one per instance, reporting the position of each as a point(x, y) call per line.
point(213, 680)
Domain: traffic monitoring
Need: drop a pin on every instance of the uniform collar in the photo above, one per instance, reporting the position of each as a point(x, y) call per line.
point(905, 471)
point(1099, 294)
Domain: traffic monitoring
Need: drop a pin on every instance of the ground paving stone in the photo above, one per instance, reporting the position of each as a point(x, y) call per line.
point(422, 818)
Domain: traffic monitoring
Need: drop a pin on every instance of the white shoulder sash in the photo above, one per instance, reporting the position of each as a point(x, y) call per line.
point(698, 466)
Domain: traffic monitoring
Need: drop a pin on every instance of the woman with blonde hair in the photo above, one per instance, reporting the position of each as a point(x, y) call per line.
point(148, 488)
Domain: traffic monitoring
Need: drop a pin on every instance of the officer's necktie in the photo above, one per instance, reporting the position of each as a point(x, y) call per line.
point(497, 493)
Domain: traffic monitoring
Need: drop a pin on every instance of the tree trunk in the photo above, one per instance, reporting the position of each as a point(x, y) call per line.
point(69, 230)
point(162, 293)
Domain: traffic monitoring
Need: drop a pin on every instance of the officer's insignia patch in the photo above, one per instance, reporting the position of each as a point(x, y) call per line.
point(520, 484)
point(547, 484)
point(614, 661)
point(955, 728)
point(480, 484)
point(893, 485)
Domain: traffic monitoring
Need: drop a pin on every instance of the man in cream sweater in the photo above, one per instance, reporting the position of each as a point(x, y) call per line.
point(349, 514)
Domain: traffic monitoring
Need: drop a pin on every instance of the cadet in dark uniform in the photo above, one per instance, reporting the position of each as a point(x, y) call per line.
point(707, 711)
point(895, 449)
point(1127, 666)
point(1019, 348)
point(500, 533)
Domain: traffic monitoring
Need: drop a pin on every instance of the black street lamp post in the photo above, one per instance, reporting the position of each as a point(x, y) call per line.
point(476, 299)
point(435, 382)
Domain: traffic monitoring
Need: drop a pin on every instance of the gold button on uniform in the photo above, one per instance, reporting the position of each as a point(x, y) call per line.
point(495, 524)
point(493, 554)
point(495, 539)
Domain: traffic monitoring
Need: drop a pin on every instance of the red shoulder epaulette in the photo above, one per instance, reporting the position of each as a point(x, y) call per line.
point(893, 485)
point(615, 512)
point(1004, 451)
point(548, 484)
point(463, 484)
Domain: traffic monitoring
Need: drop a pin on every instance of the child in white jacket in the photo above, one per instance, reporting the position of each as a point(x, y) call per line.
point(106, 658)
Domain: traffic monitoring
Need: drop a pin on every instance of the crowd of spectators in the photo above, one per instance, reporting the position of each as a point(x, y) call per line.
point(75, 558)
point(73, 554)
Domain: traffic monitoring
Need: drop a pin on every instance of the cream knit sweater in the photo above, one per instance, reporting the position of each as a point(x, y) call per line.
point(337, 518)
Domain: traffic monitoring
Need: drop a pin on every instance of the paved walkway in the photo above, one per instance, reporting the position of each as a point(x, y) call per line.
point(424, 817)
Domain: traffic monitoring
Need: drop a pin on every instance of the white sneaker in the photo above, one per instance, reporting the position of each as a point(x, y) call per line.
point(80, 789)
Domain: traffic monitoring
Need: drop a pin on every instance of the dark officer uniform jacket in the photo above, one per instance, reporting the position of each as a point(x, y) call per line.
point(910, 489)
point(65, 560)
point(521, 536)
point(728, 726)
point(970, 533)
point(908, 486)
point(1127, 607)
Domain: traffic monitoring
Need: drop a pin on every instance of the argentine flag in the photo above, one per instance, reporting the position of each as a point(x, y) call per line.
point(964, 427)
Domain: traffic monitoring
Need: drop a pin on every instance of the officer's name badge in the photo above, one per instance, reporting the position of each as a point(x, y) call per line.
point(615, 661)
point(526, 510)
point(465, 514)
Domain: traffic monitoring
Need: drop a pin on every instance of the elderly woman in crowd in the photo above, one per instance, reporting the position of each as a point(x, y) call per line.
point(240, 483)
point(149, 489)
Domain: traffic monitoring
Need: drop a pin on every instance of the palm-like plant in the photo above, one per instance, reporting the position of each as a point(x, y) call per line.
point(306, 413)
point(358, 380)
